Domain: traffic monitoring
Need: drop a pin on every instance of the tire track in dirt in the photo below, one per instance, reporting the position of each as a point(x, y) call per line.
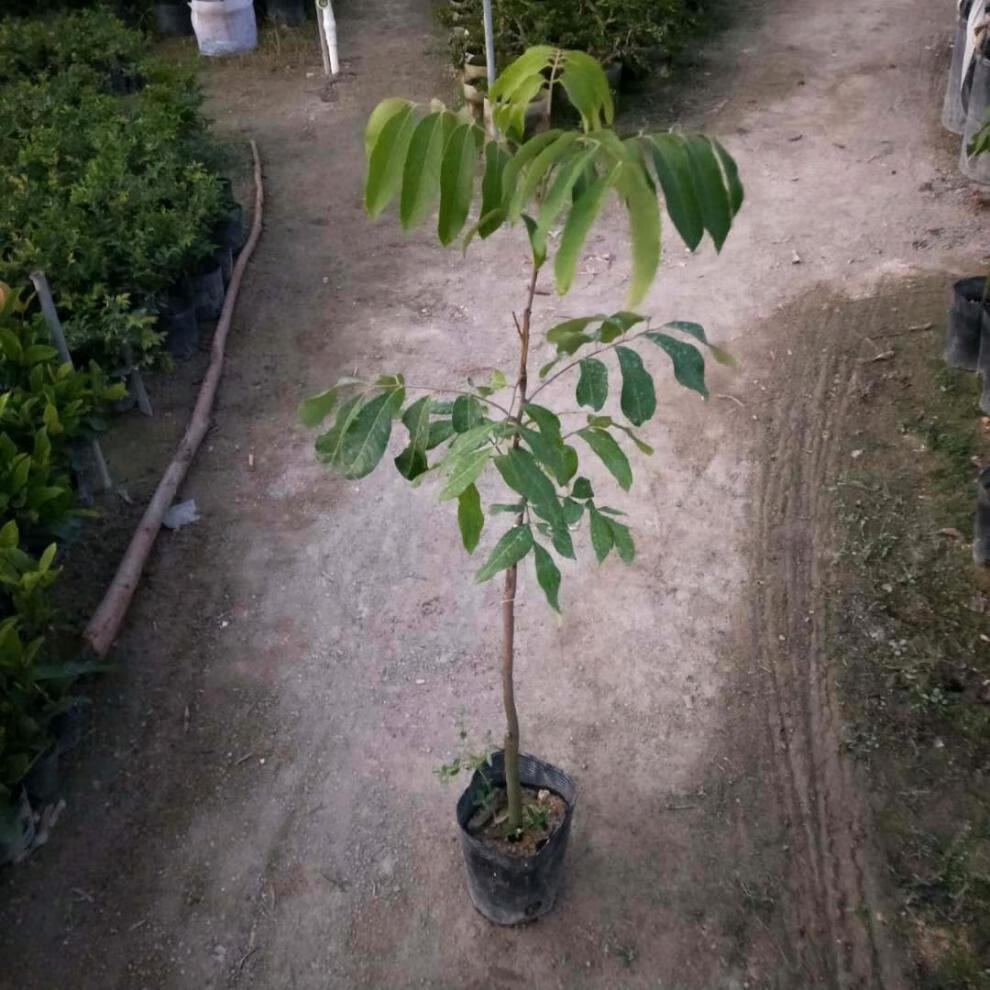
point(831, 902)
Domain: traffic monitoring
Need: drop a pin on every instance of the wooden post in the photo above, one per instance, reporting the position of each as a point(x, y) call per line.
point(58, 337)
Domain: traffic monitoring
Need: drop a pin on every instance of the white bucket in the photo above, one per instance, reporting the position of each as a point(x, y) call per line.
point(224, 27)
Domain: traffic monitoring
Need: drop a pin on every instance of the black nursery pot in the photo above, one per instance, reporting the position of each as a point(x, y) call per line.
point(962, 348)
point(506, 889)
point(289, 13)
point(208, 291)
point(231, 231)
point(173, 20)
point(178, 320)
point(41, 782)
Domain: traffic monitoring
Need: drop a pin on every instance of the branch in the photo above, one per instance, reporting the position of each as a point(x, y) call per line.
point(601, 350)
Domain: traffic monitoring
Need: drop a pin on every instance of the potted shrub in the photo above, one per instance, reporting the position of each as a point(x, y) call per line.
point(515, 815)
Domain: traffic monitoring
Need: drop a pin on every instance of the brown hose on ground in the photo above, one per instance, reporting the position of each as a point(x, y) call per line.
point(106, 621)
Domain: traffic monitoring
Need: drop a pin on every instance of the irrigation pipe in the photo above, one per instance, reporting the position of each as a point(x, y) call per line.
point(106, 621)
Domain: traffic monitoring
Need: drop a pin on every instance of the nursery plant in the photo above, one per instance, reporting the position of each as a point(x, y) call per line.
point(509, 431)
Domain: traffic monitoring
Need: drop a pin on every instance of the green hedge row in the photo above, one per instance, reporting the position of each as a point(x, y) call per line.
point(636, 33)
point(106, 190)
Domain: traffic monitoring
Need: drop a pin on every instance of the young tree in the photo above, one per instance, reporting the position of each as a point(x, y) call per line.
point(561, 176)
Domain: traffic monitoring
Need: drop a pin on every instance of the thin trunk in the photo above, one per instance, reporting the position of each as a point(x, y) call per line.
point(513, 789)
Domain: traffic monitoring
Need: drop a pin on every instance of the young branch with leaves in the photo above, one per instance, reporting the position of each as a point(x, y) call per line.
point(431, 156)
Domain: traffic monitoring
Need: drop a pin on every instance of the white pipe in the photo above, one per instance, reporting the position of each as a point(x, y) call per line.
point(489, 42)
point(330, 33)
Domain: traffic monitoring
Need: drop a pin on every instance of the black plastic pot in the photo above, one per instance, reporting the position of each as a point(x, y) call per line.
point(981, 529)
point(68, 727)
point(41, 782)
point(289, 13)
point(505, 889)
point(125, 82)
point(173, 20)
point(962, 346)
point(953, 111)
point(208, 293)
point(178, 320)
point(224, 258)
point(983, 361)
point(232, 232)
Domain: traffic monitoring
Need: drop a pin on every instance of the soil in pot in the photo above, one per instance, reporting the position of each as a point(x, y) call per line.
point(962, 348)
point(173, 20)
point(514, 881)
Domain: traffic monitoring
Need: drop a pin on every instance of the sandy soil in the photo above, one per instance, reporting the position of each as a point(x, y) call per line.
point(256, 806)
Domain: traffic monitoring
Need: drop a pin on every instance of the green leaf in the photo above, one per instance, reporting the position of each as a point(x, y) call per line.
point(610, 510)
point(467, 413)
point(569, 457)
point(673, 168)
point(644, 228)
point(610, 453)
point(463, 469)
point(546, 420)
point(697, 331)
point(522, 473)
point(440, 431)
point(587, 87)
point(731, 173)
point(582, 489)
point(572, 511)
point(579, 222)
point(380, 116)
point(548, 576)
point(618, 324)
point(537, 246)
point(537, 170)
point(509, 550)
point(457, 181)
point(533, 61)
point(366, 437)
point(545, 370)
point(421, 173)
point(559, 194)
point(638, 400)
point(316, 408)
point(411, 463)
point(496, 158)
point(622, 539)
point(641, 445)
point(713, 198)
point(387, 159)
point(9, 536)
point(592, 386)
point(521, 159)
point(470, 518)
point(689, 365)
point(601, 534)
point(568, 336)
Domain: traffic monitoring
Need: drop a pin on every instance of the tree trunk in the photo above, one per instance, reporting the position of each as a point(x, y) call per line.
point(513, 790)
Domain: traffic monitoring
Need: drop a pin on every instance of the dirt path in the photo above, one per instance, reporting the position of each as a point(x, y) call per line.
point(256, 808)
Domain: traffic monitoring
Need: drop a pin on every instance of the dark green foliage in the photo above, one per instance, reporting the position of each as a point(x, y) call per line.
point(44, 407)
point(105, 192)
point(634, 32)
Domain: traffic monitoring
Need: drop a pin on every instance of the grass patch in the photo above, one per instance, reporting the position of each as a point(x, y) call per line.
point(908, 633)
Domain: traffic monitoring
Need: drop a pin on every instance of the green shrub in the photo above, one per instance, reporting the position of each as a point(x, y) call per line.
point(633, 32)
point(44, 406)
point(107, 194)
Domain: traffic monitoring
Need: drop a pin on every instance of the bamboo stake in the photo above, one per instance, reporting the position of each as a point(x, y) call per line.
point(106, 621)
point(40, 281)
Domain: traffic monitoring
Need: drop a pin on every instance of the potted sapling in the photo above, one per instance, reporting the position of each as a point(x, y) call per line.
point(515, 815)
